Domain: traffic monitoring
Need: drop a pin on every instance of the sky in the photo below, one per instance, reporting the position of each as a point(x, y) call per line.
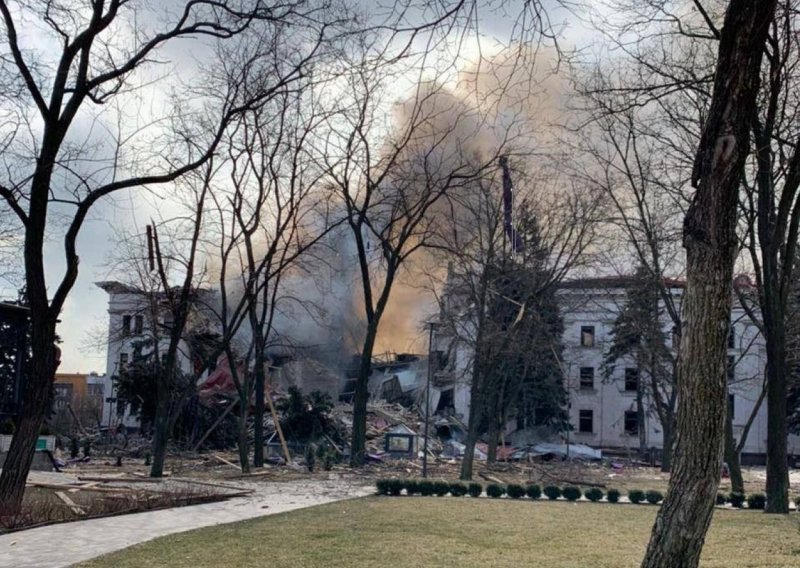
point(84, 318)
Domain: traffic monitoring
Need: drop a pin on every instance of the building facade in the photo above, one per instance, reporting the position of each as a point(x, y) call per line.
point(603, 409)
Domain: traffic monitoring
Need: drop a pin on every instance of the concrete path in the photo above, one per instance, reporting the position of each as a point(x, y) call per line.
point(65, 544)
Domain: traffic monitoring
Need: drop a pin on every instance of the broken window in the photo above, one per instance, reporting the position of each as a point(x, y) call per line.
point(586, 421)
point(126, 326)
point(631, 422)
point(731, 368)
point(732, 337)
point(587, 336)
point(587, 378)
point(123, 362)
point(631, 379)
point(731, 405)
point(138, 325)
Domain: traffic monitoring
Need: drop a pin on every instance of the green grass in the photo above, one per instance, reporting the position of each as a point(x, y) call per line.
point(420, 531)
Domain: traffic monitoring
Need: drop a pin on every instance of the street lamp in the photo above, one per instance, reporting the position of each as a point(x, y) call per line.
point(431, 326)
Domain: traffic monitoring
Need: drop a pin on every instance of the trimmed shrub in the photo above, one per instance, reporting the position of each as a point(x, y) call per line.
point(474, 489)
point(441, 488)
point(654, 497)
point(613, 495)
point(495, 491)
point(412, 487)
point(382, 485)
point(515, 491)
point(533, 491)
point(736, 499)
point(552, 492)
point(396, 486)
point(636, 496)
point(571, 493)
point(721, 498)
point(458, 489)
point(594, 494)
point(425, 488)
point(756, 501)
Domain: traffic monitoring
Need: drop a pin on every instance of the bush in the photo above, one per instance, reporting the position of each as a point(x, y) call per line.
point(654, 497)
point(396, 486)
point(515, 491)
point(425, 488)
point(736, 499)
point(412, 487)
point(636, 495)
point(382, 485)
point(441, 488)
point(311, 457)
point(594, 494)
point(533, 491)
point(458, 489)
point(552, 492)
point(613, 495)
point(475, 489)
point(721, 498)
point(495, 491)
point(571, 493)
point(756, 501)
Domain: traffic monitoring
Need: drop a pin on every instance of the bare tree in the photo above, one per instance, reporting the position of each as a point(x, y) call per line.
point(710, 240)
point(94, 62)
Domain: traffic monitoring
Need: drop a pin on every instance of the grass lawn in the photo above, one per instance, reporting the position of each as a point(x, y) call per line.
point(465, 532)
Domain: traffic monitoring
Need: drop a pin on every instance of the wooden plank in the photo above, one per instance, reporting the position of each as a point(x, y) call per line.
point(64, 487)
point(104, 479)
point(210, 484)
point(223, 460)
point(70, 503)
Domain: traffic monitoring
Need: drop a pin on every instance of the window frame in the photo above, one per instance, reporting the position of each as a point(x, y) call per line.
point(625, 418)
point(588, 331)
point(582, 418)
point(582, 386)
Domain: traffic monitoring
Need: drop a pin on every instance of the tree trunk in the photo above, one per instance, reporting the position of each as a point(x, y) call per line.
point(160, 433)
point(732, 457)
point(35, 401)
point(777, 426)
point(473, 428)
point(244, 453)
point(358, 441)
point(258, 412)
point(710, 239)
point(493, 439)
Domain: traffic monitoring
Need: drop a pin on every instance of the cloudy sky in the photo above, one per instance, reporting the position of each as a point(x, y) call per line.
point(84, 317)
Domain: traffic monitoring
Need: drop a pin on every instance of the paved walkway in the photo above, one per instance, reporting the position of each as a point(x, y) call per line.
point(65, 544)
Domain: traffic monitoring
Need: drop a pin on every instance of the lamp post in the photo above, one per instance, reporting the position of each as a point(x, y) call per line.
point(431, 325)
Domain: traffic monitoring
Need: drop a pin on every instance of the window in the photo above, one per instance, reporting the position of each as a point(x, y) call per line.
point(95, 390)
point(63, 395)
point(731, 405)
point(138, 325)
point(731, 368)
point(586, 421)
point(587, 378)
point(123, 362)
point(631, 422)
point(126, 326)
point(631, 379)
point(587, 336)
point(732, 337)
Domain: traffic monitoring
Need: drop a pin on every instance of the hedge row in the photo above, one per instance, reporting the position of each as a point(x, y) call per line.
point(512, 491)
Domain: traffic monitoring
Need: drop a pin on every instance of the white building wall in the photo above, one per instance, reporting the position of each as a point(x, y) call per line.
point(608, 400)
point(122, 302)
